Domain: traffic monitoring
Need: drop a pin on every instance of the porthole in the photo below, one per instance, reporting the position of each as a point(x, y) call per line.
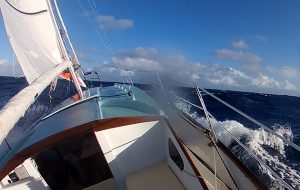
point(175, 156)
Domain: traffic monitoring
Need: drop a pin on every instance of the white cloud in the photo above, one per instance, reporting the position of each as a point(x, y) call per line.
point(3, 62)
point(227, 80)
point(289, 72)
point(182, 71)
point(240, 44)
point(240, 56)
point(7, 69)
point(265, 81)
point(251, 61)
point(140, 64)
point(111, 23)
point(289, 86)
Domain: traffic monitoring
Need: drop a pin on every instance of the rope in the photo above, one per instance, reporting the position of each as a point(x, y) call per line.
point(126, 71)
point(102, 28)
point(216, 185)
point(188, 102)
point(252, 154)
point(13, 56)
point(94, 27)
point(212, 133)
point(197, 176)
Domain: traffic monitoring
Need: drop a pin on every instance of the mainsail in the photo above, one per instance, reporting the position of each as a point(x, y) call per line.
point(32, 35)
point(36, 40)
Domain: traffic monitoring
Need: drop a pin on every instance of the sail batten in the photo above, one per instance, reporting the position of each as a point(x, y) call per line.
point(18, 105)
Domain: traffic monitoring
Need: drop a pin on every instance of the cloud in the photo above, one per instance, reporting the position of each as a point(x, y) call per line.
point(182, 71)
point(141, 64)
point(251, 61)
point(289, 86)
point(111, 23)
point(265, 81)
point(289, 72)
point(240, 44)
point(3, 62)
point(7, 69)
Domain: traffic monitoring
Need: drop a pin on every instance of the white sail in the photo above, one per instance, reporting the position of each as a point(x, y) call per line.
point(17, 106)
point(33, 36)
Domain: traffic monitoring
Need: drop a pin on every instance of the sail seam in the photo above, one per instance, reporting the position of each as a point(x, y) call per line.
point(26, 13)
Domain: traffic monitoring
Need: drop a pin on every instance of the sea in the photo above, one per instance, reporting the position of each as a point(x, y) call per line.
point(279, 112)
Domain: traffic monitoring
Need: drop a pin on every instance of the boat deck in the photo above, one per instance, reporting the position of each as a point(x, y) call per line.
point(158, 176)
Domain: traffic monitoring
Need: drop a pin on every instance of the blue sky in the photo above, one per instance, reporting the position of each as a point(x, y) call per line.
point(235, 44)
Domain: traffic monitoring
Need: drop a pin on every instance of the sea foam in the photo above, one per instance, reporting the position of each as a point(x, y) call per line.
point(266, 146)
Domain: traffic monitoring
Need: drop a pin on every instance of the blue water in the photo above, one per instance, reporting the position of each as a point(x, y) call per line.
point(282, 113)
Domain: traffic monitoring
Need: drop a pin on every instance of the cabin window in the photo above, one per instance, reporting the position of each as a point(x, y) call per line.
point(13, 177)
point(75, 164)
point(175, 156)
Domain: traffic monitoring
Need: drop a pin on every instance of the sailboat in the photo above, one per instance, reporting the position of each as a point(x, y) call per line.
point(115, 137)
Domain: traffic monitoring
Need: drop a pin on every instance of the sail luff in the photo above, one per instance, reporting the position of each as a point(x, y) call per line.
point(65, 30)
point(19, 104)
point(62, 45)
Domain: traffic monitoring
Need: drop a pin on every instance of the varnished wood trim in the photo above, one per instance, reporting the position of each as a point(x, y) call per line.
point(242, 167)
point(127, 121)
point(67, 134)
point(196, 171)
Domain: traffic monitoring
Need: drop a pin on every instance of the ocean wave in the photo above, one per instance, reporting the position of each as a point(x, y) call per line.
point(268, 147)
point(32, 115)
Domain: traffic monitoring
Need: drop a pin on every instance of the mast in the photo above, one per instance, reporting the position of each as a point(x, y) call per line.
point(31, 25)
point(64, 52)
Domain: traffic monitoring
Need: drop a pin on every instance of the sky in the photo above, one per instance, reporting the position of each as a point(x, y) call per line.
point(231, 45)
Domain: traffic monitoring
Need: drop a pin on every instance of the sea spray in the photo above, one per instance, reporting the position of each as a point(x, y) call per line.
point(32, 115)
point(268, 147)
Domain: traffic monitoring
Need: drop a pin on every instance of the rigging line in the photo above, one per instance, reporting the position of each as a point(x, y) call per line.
point(249, 151)
point(252, 154)
point(212, 133)
point(99, 24)
point(186, 101)
point(13, 54)
point(126, 68)
point(94, 27)
point(254, 121)
point(109, 51)
point(103, 29)
point(99, 28)
point(99, 31)
point(199, 176)
point(25, 13)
